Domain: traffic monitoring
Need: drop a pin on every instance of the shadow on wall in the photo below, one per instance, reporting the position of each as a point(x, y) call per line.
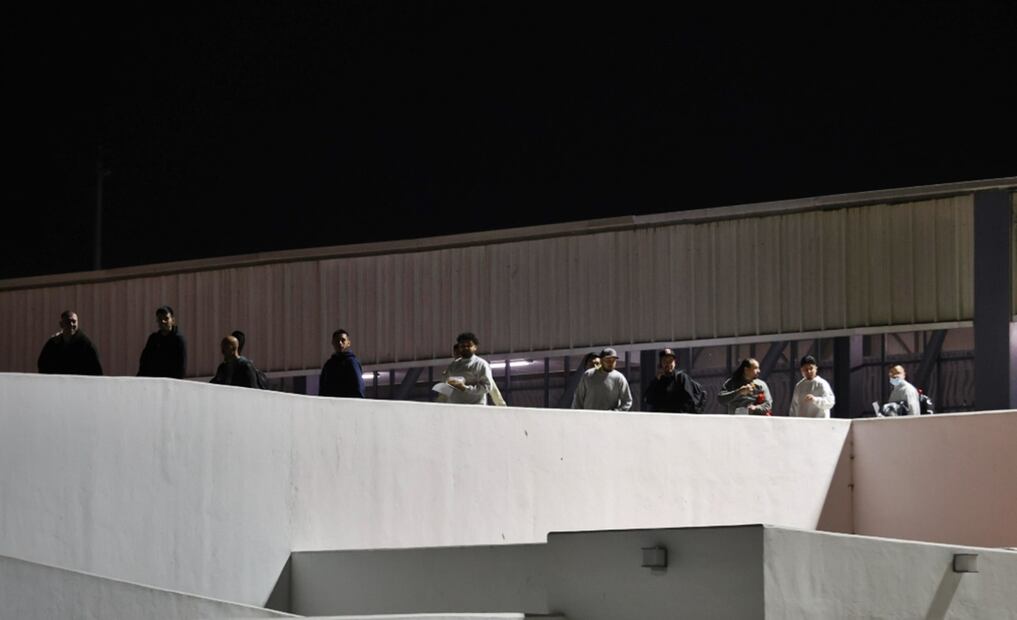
point(944, 594)
point(280, 599)
point(837, 514)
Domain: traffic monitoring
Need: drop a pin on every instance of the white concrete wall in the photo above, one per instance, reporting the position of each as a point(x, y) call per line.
point(502, 578)
point(206, 489)
point(820, 575)
point(734, 572)
point(173, 484)
point(945, 478)
point(386, 474)
point(30, 591)
point(438, 617)
point(711, 573)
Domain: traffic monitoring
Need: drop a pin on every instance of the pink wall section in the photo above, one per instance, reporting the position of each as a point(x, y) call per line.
point(946, 478)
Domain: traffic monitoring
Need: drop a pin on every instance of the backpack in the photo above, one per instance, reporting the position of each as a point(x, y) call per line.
point(698, 395)
point(894, 409)
point(262, 379)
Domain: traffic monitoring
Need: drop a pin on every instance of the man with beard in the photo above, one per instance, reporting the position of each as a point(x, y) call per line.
point(69, 351)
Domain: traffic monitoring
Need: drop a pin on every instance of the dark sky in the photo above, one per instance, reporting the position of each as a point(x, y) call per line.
point(255, 126)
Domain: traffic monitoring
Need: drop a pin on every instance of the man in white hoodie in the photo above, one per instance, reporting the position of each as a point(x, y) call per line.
point(813, 397)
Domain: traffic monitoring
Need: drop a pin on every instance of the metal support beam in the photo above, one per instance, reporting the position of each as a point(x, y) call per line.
point(847, 385)
point(410, 380)
point(507, 394)
point(903, 345)
point(648, 362)
point(769, 361)
point(930, 357)
point(565, 402)
point(995, 333)
point(547, 383)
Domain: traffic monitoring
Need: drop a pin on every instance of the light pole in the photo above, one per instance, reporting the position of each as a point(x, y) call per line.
point(101, 172)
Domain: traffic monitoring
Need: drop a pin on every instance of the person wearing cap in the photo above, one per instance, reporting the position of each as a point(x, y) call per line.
point(813, 397)
point(603, 388)
point(469, 375)
point(745, 393)
point(672, 390)
point(165, 353)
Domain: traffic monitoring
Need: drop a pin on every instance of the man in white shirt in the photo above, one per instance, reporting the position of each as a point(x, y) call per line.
point(812, 397)
point(469, 375)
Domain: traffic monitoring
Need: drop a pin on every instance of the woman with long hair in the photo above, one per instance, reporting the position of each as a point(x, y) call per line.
point(744, 393)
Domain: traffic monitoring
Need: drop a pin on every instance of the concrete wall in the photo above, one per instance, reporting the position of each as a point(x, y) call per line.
point(207, 489)
point(173, 484)
point(588, 575)
point(819, 575)
point(734, 572)
point(711, 573)
point(30, 591)
point(945, 478)
point(504, 578)
point(388, 474)
point(439, 617)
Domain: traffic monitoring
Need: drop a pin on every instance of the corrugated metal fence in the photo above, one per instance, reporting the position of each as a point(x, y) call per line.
point(718, 273)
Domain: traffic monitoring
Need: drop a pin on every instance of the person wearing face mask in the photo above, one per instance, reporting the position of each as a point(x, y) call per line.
point(903, 391)
point(813, 397)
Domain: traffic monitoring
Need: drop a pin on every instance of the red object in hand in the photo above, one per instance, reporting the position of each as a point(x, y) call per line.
point(760, 398)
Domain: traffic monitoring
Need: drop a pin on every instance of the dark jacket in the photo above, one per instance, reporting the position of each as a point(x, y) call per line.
point(342, 376)
point(164, 356)
point(672, 393)
point(239, 372)
point(75, 357)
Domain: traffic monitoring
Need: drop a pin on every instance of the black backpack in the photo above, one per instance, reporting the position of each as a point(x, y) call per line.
point(698, 396)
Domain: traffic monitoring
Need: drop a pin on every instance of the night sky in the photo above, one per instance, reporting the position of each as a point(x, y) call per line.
point(253, 126)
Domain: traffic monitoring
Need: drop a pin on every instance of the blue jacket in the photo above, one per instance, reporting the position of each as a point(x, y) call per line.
point(342, 376)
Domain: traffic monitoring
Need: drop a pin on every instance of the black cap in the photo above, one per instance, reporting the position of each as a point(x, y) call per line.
point(666, 352)
point(607, 352)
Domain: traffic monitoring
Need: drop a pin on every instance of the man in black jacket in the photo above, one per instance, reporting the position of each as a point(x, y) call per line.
point(165, 353)
point(673, 391)
point(342, 375)
point(69, 352)
point(235, 369)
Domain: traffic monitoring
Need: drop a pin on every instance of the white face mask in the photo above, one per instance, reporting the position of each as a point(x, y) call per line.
point(895, 381)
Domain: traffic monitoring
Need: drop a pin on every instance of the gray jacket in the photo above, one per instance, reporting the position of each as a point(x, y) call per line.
point(732, 399)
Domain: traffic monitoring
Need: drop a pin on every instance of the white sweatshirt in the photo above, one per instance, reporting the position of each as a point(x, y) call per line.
point(818, 408)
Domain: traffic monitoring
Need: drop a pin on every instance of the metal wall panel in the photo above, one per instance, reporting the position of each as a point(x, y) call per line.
point(775, 273)
point(1013, 250)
